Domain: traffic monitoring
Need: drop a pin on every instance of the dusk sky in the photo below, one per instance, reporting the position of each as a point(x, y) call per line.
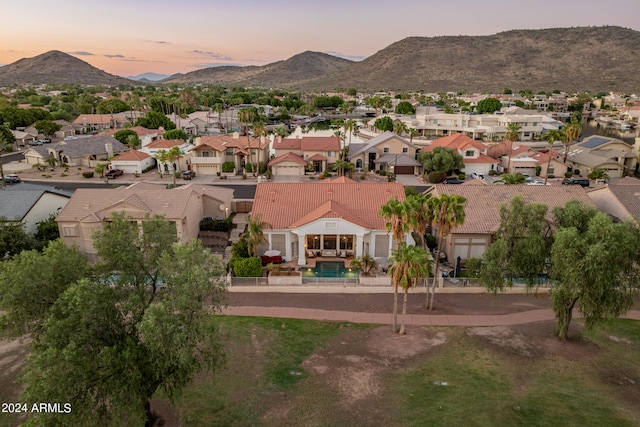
point(127, 38)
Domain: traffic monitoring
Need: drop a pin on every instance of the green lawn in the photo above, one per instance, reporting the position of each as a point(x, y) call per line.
point(265, 384)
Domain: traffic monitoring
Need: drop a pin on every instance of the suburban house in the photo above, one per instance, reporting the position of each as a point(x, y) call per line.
point(31, 204)
point(620, 199)
point(615, 156)
point(482, 211)
point(86, 123)
point(387, 151)
point(66, 129)
point(155, 147)
point(320, 151)
point(23, 138)
point(211, 152)
point(147, 136)
point(133, 161)
point(474, 153)
point(89, 209)
point(77, 152)
point(336, 218)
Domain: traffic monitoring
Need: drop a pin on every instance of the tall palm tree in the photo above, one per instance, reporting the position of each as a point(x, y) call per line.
point(571, 132)
point(173, 155)
point(395, 212)
point(5, 145)
point(400, 128)
point(410, 264)
point(512, 135)
point(412, 133)
point(550, 137)
point(259, 131)
point(255, 234)
point(448, 213)
point(350, 126)
point(246, 116)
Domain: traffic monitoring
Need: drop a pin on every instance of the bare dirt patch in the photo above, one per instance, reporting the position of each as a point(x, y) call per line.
point(216, 241)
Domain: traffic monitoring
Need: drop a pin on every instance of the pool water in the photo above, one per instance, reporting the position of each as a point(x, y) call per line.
point(330, 269)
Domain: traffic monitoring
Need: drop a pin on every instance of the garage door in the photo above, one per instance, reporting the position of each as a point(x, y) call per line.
point(403, 170)
point(288, 170)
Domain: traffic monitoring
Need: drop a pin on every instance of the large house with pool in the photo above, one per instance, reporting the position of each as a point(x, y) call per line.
point(326, 219)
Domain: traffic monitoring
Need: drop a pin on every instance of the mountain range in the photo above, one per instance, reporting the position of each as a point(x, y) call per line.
point(571, 59)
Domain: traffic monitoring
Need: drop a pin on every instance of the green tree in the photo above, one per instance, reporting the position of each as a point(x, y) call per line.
point(13, 238)
point(384, 123)
point(400, 128)
point(594, 265)
point(123, 135)
point(410, 265)
point(396, 216)
point(551, 137)
point(5, 145)
point(365, 263)
point(123, 342)
point(247, 267)
point(51, 161)
point(47, 230)
point(571, 131)
point(521, 246)
point(511, 179)
point(176, 134)
point(155, 120)
point(47, 127)
point(31, 283)
point(404, 107)
point(246, 116)
point(255, 234)
point(599, 174)
point(512, 135)
point(448, 213)
point(441, 159)
point(488, 106)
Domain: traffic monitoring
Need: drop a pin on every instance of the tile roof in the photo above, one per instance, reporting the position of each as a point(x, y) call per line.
point(369, 146)
point(320, 143)
point(482, 209)
point(286, 205)
point(458, 141)
point(397, 160)
point(627, 191)
point(165, 143)
point(81, 147)
point(92, 119)
point(290, 157)
point(318, 157)
point(133, 155)
point(222, 142)
point(17, 200)
point(287, 144)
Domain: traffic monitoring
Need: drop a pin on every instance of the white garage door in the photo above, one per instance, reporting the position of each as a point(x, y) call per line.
point(287, 170)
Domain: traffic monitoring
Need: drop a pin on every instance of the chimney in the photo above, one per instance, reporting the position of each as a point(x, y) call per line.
point(236, 135)
point(279, 139)
point(109, 147)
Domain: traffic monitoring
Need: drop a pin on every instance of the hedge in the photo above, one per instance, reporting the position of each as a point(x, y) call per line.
point(247, 267)
point(210, 224)
point(228, 167)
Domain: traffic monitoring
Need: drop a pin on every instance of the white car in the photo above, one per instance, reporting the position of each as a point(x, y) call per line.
point(477, 175)
point(527, 177)
point(536, 183)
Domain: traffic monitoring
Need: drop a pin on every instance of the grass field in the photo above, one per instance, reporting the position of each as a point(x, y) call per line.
point(283, 372)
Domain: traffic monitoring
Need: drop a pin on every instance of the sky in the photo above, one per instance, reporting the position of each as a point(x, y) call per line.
point(131, 37)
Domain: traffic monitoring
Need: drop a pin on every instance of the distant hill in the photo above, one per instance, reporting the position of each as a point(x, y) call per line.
point(583, 58)
point(55, 67)
point(304, 66)
point(149, 77)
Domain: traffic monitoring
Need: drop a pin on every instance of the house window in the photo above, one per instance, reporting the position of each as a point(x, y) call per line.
point(359, 164)
point(330, 153)
point(70, 231)
point(205, 154)
point(229, 152)
point(306, 157)
point(385, 149)
point(550, 170)
point(405, 149)
point(469, 153)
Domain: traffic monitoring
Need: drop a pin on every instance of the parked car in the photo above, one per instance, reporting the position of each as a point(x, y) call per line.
point(114, 173)
point(46, 140)
point(188, 174)
point(477, 175)
point(536, 183)
point(584, 182)
point(35, 143)
point(527, 177)
point(12, 178)
point(452, 180)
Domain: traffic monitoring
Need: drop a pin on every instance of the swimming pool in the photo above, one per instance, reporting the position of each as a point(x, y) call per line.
point(330, 269)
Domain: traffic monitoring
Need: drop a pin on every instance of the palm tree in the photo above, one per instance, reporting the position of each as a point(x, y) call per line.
point(599, 174)
point(571, 131)
point(51, 161)
point(420, 215)
point(219, 108)
point(350, 126)
point(410, 264)
point(512, 135)
point(395, 213)
point(5, 145)
point(448, 213)
point(511, 179)
point(245, 117)
point(259, 131)
point(551, 137)
point(173, 155)
point(255, 235)
point(412, 133)
point(400, 128)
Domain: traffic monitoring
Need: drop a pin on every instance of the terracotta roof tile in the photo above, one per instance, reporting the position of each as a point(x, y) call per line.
point(319, 157)
point(284, 204)
point(482, 209)
point(627, 191)
point(457, 141)
point(320, 143)
point(291, 157)
point(132, 155)
point(165, 143)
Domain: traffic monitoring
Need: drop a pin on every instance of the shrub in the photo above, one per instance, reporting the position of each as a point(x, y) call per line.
point(473, 266)
point(568, 174)
point(177, 174)
point(382, 173)
point(492, 172)
point(436, 177)
point(431, 241)
point(248, 167)
point(313, 177)
point(391, 177)
point(240, 249)
point(223, 177)
point(210, 224)
point(228, 167)
point(363, 176)
point(87, 174)
point(262, 167)
point(576, 172)
point(268, 174)
point(462, 176)
point(244, 176)
point(538, 170)
point(148, 168)
point(248, 267)
point(551, 176)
